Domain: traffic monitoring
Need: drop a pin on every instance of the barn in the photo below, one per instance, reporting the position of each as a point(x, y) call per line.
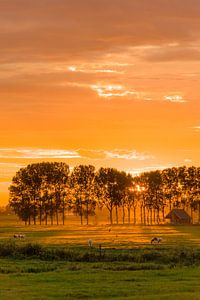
point(178, 216)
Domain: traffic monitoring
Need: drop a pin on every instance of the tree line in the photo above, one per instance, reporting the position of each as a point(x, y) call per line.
point(43, 193)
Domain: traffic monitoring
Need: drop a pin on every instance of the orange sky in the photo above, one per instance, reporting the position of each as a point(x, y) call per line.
point(110, 83)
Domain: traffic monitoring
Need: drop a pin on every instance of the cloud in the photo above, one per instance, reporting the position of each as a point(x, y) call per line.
point(173, 53)
point(115, 154)
point(138, 171)
point(24, 153)
point(187, 160)
point(196, 128)
point(174, 98)
point(112, 90)
point(59, 30)
point(37, 153)
point(92, 70)
point(127, 155)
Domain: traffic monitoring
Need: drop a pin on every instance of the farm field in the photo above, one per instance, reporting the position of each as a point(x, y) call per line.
point(29, 279)
point(72, 234)
point(131, 269)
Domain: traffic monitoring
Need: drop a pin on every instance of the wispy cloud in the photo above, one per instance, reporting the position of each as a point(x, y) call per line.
point(138, 171)
point(92, 70)
point(127, 155)
point(174, 98)
point(22, 153)
point(114, 154)
point(37, 153)
point(196, 128)
point(112, 90)
point(187, 160)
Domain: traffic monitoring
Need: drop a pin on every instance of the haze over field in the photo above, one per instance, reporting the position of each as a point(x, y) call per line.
point(109, 83)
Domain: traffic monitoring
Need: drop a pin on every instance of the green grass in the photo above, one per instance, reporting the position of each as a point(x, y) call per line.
point(55, 262)
point(33, 280)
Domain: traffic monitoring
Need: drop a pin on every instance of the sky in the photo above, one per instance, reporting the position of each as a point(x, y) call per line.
point(109, 83)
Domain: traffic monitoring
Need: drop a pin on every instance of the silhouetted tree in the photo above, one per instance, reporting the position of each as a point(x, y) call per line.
point(34, 190)
point(82, 184)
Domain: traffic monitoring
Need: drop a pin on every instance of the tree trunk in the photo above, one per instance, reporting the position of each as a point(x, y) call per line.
point(63, 212)
point(199, 214)
point(51, 212)
point(46, 218)
point(144, 212)
point(134, 212)
point(141, 214)
point(116, 211)
point(87, 213)
point(191, 215)
point(111, 218)
point(158, 216)
point(151, 216)
point(81, 212)
point(148, 216)
point(40, 213)
point(129, 215)
point(34, 211)
point(154, 215)
point(163, 213)
point(57, 219)
point(123, 214)
point(29, 213)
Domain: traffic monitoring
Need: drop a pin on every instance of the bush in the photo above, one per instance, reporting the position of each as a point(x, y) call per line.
point(171, 257)
point(31, 250)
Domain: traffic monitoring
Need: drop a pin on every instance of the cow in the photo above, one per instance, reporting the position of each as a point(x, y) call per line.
point(157, 240)
point(19, 236)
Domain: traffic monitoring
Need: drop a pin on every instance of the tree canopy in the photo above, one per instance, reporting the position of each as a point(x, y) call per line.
point(43, 192)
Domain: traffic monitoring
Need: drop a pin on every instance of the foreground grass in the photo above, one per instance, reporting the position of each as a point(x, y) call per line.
point(34, 279)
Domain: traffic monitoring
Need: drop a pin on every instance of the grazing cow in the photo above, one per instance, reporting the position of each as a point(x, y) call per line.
point(22, 236)
point(19, 236)
point(90, 243)
point(157, 240)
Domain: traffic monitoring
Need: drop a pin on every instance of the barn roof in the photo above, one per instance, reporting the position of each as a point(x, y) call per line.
point(179, 213)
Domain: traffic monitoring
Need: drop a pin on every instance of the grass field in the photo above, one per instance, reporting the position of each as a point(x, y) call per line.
point(41, 280)
point(139, 270)
point(72, 234)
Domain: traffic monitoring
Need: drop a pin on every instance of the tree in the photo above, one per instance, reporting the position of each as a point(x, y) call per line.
point(111, 189)
point(34, 190)
point(131, 197)
point(82, 183)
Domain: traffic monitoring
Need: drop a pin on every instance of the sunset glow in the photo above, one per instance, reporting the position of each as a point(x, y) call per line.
point(109, 83)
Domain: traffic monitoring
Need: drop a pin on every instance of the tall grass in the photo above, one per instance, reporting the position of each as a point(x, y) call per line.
point(167, 256)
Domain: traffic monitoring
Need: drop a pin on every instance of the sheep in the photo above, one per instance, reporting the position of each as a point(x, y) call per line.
point(156, 240)
point(90, 243)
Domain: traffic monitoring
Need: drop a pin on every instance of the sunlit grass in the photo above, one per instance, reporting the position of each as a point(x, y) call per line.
point(72, 234)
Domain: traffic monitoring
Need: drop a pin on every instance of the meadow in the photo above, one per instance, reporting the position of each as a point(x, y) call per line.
point(55, 262)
